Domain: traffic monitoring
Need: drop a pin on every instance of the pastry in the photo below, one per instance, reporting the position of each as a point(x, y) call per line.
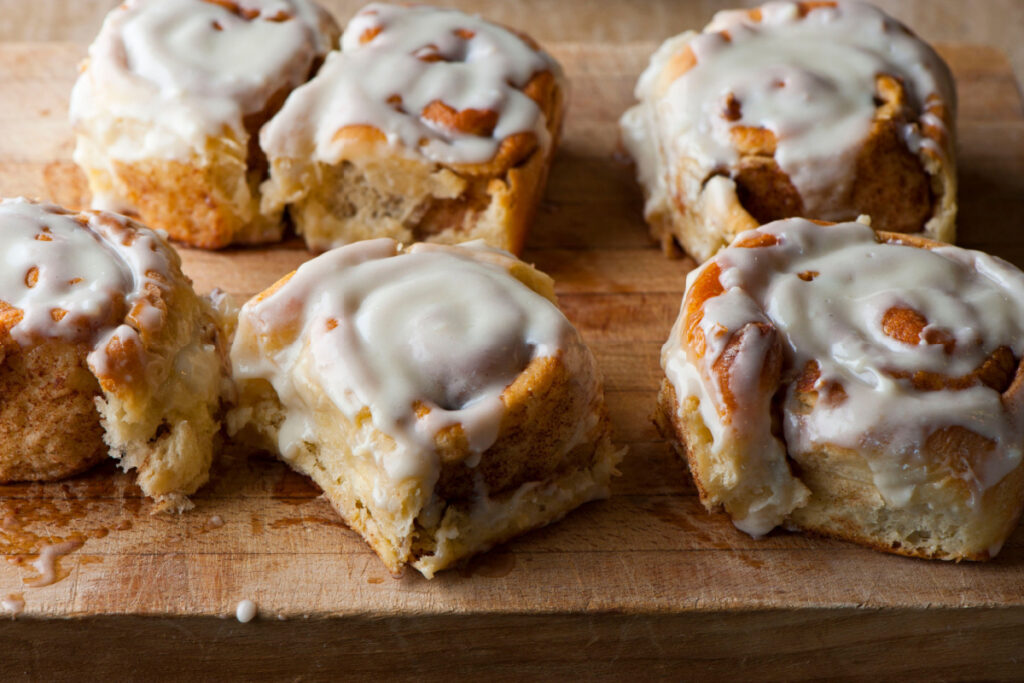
point(436, 394)
point(168, 105)
point(861, 385)
point(104, 349)
point(429, 125)
point(825, 110)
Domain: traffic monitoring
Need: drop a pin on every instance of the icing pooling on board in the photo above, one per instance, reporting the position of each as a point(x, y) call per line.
point(443, 328)
point(835, 318)
point(482, 66)
point(74, 277)
point(192, 69)
point(809, 80)
point(46, 562)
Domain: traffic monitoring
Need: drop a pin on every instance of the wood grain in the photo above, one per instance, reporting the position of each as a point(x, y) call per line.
point(645, 583)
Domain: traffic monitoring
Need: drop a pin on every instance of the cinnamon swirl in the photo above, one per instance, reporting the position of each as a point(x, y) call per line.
point(436, 394)
point(859, 385)
point(104, 348)
point(169, 103)
point(826, 110)
point(429, 125)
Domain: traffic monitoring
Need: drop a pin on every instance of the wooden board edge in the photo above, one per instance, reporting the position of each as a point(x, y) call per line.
point(772, 644)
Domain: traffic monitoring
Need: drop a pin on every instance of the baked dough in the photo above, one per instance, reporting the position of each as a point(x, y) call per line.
point(858, 385)
point(825, 110)
point(429, 125)
point(436, 394)
point(104, 348)
point(169, 103)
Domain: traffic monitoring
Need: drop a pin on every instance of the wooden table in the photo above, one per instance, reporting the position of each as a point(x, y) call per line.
point(645, 584)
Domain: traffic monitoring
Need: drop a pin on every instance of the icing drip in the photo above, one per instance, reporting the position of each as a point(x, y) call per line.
point(191, 68)
point(426, 339)
point(828, 292)
point(75, 277)
point(809, 80)
point(46, 562)
point(395, 63)
point(245, 611)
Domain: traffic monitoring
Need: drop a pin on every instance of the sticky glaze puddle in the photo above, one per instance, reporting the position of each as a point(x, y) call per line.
point(41, 531)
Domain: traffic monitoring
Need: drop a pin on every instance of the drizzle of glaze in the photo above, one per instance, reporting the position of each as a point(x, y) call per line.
point(396, 64)
point(827, 291)
point(46, 562)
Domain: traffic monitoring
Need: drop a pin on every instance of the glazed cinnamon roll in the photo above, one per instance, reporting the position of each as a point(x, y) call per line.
point(170, 101)
point(826, 110)
point(104, 349)
point(429, 125)
point(436, 394)
point(858, 385)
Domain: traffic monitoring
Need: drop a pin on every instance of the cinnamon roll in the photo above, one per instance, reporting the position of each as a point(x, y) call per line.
point(169, 103)
point(436, 394)
point(826, 110)
point(429, 125)
point(104, 349)
point(858, 385)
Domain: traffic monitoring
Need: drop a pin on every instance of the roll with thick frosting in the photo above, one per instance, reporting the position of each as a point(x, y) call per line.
point(856, 384)
point(104, 348)
point(825, 110)
point(436, 394)
point(170, 102)
point(428, 125)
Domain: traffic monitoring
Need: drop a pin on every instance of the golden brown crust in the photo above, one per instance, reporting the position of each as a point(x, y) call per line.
point(49, 426)
point(672, 428)
point(207, 206)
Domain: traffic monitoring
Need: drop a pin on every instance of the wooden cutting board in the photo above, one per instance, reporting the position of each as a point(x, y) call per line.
point(645, 583)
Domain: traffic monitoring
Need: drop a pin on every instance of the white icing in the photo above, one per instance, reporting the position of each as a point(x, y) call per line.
point(835, 319)
point(13, 603)
point(187, 70)
point(245, 611)
point(94, 266)
point(443, 328)
point(483, 70)
point(46, 562)
point(810, 80)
